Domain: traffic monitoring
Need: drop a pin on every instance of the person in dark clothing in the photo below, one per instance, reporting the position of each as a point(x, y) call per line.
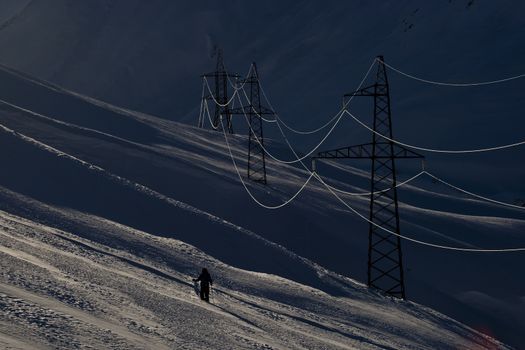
point(206, 281)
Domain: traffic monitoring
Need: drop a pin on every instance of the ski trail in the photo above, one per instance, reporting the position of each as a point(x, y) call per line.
point(71, 125)
point(166, 152)
point(61, 90)
point(15, 16)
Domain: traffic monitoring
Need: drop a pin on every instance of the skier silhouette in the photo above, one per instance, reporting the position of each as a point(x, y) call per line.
point(206, 281)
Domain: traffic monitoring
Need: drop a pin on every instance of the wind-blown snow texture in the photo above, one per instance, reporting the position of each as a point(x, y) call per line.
point(135, 187)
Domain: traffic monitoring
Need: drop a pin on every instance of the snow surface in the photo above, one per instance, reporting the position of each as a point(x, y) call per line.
point(104, 226)
point(58, 290)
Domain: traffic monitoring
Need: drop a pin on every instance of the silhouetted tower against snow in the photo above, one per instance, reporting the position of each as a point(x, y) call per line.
point(385, 260)
point(219, 95)
point(254, 111)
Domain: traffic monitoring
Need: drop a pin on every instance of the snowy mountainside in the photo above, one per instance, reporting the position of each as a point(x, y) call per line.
point(58, 290)
point(76, 163)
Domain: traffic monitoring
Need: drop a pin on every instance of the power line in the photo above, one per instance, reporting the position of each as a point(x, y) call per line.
point(213, 97)
point(302, 186)
point(339, 115)
point(487, 149)
point(298, 159)
point(235, 85)
point(377, 192)
point(200, 122)
point(207, 109)
point(473, 194)
point(478, 150)
point(246, 187)
point(314, 174)
point(279, 119)
point(402, 183)
point(498, 81)
point(476, 250)
point(353, 210)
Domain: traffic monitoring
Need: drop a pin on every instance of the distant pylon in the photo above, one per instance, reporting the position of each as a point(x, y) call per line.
point(254, 110)
point(220, 78)
point(385, 260)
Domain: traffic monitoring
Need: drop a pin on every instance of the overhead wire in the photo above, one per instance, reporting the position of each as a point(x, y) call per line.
point(278, 119)
point(298, 159)
point(288, 201)
point(440, 246)
point(491, 82)
point(376, 192)
point(433, 150)
point(414, 177)
point(308, 154)
point(338, 115)
point(333, 192)
point(473, 194)
point(397, 185)
point(206, 107)
point(200, 122)
point(215, 99)
point(235, 85)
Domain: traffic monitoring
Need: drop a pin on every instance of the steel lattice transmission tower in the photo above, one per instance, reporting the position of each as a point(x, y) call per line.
point(254, 111)
point(385, 260)
point(220, 84)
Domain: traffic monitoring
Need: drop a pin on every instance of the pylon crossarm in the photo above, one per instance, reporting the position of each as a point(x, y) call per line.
point(358, 151)
point(403, 152)
point(366, 91)
point(365, 151)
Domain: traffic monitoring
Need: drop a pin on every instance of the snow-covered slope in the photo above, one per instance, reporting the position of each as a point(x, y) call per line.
point(138, 186)
point(58, 290)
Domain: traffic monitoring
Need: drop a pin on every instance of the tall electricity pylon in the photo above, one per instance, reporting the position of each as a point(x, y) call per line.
point(385, 259)
point(219, 98)
point(254, 110)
